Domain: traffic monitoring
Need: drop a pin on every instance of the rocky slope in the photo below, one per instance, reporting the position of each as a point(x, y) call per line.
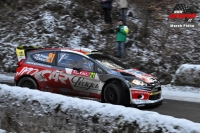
point(151, 45)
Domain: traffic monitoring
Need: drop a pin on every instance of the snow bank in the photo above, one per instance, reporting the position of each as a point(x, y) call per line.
point(36, 111)
point(2, 131)
point(181, 93)
point(187, 74)
point(7, 77)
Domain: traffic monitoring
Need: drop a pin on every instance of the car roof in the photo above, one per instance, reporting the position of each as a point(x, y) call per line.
point(79, 50)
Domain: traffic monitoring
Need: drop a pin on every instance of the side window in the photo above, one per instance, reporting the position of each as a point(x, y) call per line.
point(65, 60)
point(46, 57)
point(87, 65)
point(100, 71)
point(70, 60)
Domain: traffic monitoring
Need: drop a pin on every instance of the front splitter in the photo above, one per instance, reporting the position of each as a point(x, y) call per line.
point(146, 103)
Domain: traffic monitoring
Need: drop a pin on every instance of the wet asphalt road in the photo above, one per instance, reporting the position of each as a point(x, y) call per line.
point(178, 109)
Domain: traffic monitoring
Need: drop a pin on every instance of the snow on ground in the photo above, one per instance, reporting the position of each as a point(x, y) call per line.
point(182, 93)
point(182, 75)
point(7, 78)
point(143, 118)
point(2, 131)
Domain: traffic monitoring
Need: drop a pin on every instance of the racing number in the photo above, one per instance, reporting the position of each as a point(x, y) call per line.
point(50, 57)
point(92, 75)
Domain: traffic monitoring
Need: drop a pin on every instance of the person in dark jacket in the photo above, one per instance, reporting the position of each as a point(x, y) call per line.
point(107, 7)
point(121, 35)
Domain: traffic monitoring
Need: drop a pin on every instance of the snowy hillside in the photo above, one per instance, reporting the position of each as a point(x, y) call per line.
point(151, 46)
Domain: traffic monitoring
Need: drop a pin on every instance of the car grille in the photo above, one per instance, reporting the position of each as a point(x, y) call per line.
point(156, 89)
point(155, 97)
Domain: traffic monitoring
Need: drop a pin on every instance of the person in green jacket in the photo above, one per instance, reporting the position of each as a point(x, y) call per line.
point(121, 35)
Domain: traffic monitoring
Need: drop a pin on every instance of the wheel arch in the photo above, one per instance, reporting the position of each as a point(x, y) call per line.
point(29, 77)
point(124, 87)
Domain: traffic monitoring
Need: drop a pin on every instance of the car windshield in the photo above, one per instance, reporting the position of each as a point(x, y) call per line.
point(109, 61)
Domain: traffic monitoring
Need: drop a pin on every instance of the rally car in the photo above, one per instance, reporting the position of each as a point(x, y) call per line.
point(85, 73)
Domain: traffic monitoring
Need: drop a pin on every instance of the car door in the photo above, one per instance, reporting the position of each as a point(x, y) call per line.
point(82, 79)
point(42, 66)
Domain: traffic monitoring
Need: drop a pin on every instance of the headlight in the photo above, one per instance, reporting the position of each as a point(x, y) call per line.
point(138, 82)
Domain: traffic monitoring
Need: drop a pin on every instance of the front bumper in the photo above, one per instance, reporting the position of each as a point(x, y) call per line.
point(141, 98)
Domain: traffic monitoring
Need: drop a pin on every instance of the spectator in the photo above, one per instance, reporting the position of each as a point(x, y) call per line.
point(123, 4)
point(107, 6)
point(121, 35)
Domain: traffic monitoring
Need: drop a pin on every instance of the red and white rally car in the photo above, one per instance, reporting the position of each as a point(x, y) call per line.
point(85, 73)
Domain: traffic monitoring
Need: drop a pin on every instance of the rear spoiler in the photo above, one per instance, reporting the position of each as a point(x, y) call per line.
point(22, 50)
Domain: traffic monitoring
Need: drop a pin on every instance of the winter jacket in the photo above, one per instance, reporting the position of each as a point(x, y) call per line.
point(122, 3)
point(106, 4)
point(122, 33)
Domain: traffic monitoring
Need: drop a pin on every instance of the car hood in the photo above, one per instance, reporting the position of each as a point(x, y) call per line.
point(148, 78)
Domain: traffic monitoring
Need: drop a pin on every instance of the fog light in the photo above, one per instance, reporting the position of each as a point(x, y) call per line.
point(139, 96)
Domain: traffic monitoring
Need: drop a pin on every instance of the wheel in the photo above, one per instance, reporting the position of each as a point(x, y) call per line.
point(114, 94)
point(27, 82)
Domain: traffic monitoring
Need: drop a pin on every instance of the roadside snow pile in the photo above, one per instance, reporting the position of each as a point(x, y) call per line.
point(2, 131)
point(187, 74)
point(182, 93)
point(93, 115)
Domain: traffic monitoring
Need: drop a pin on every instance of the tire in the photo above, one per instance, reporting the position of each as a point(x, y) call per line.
point(27, 82)
point(114, 94)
